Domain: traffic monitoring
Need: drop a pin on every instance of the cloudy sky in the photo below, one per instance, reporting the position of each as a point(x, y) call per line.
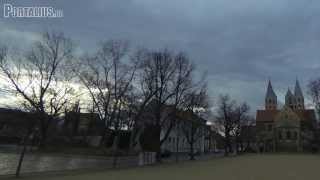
point(239, 43)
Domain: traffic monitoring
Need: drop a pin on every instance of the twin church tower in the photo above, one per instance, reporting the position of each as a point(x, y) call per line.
point(293, 100)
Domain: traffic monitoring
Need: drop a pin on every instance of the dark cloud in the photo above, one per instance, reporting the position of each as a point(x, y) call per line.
point(240, 43)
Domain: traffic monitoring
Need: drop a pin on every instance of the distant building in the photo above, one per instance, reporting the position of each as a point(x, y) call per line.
point(287, 129)
point(189, 124)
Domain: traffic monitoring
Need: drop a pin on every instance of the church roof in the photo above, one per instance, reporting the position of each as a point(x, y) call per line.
point(289, 93)
point(266, 115)
point(270, 92)
point(270, 115)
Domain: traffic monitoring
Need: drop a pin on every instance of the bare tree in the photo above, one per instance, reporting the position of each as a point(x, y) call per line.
point(225, 120)
point(248, 134)
point(314, 92)
point(40, 78)
point(241, 119)
point(108, 77)
point(168, 76)
point(196, 103)
point(192, 128)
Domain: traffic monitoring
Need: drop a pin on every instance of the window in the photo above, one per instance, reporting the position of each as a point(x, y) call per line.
point(288, 135)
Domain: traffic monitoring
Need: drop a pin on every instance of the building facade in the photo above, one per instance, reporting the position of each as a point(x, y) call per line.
point(190, 129)
point(289, 128)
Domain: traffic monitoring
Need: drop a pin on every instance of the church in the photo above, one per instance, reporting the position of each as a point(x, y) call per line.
point(287, 128)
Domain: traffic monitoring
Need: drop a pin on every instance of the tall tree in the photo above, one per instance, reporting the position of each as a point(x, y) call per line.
point(108, 75)
point(169, 75)
point(40, 78)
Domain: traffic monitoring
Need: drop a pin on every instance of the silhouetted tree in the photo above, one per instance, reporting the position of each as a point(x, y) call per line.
point(108, 75)
point(225, 120)
point(41, 77)
point(196, 104)
point(241, 119)
point(169, 75)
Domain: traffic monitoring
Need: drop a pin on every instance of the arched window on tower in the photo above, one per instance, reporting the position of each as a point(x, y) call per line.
point(280, 135)
point(288, 135)
point(295, 135)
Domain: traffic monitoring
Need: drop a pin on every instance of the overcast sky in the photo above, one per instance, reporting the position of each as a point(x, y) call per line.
point(239, 43)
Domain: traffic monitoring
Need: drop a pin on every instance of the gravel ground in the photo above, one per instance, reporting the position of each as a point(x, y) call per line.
point(246, 167)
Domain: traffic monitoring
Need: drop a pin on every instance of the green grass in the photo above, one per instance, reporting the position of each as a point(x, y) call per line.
point(247, 167)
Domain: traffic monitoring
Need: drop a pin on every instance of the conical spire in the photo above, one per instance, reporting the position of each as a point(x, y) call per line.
point(297, 89)
point(299, 99)
point(271, 98)
point(289, 93)
point(270, 92)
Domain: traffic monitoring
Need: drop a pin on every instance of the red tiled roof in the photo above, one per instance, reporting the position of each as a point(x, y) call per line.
point(266, 115)
point(269, 115)
point(306, 115)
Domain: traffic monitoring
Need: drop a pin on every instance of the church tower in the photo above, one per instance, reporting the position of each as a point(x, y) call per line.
point(299, 99)
point(271, 98)
point(290, 99)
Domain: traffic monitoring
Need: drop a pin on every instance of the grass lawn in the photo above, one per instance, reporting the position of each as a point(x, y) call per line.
point(246, 167)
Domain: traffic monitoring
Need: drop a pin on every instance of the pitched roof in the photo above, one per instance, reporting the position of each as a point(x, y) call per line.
point(270, 115)
point(266, 115)
point(306, 115)
point(297, 90)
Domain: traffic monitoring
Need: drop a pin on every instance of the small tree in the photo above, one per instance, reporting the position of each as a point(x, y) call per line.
point(241, 119)
point(196, 102)
point(193, 130)
point(314, 92)
point(225, 120)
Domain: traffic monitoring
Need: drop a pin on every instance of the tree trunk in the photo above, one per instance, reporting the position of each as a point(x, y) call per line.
point(226, 145)
point(158, 156)
point(115, 150)
point(177, 149)
point(24, 143)
point(191, 151)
